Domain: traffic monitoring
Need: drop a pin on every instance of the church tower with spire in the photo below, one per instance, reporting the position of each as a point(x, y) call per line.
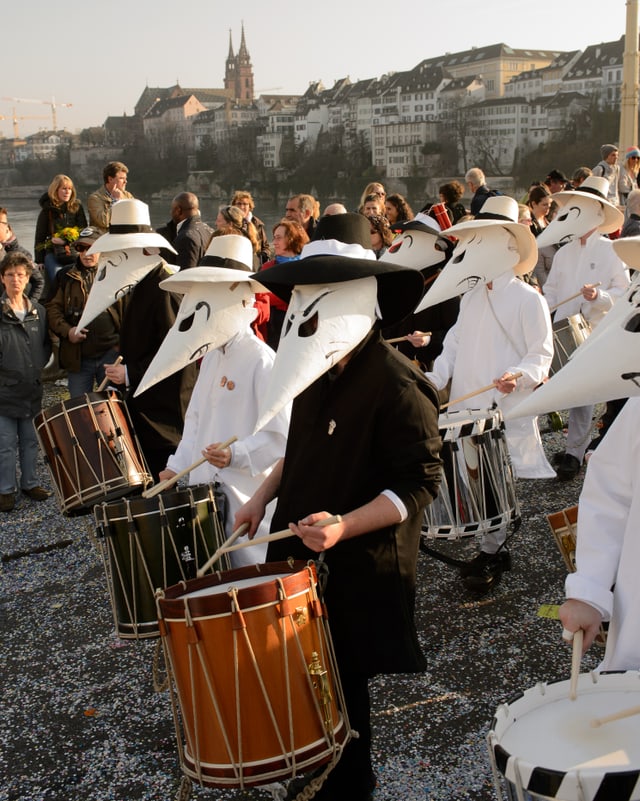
point(238, 76)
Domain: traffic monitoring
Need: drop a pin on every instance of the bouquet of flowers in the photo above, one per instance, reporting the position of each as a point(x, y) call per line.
point(69, 234)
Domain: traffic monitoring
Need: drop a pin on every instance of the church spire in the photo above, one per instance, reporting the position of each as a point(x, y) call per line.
point(231, 56)
point(243, 53)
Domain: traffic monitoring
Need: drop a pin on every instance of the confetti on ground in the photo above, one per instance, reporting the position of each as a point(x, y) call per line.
point(79, 717)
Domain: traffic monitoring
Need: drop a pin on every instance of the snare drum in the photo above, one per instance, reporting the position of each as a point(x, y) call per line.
point(568, 334)
point(477, 492)
point(91, 450)
point(151, 543)
point(543, 746)
point(251, 658)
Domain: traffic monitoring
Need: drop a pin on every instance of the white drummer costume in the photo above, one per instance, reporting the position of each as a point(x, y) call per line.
point(214, 318)
point(608, 542)
point(502, 329)
point(584, 211)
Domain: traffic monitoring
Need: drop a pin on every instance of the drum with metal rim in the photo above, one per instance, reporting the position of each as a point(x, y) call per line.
point(152, 543)
point(477, 493)
point(568, 334)
point(252, 663)
point(91, 450)
point(544, 746)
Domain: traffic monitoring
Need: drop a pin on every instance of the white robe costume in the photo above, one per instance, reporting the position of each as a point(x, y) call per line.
point(575, 265)
point(224, 403)
point(608, 541)
point(479, 349)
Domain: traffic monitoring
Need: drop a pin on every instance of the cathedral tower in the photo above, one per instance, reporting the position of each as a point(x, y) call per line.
point(238, 74)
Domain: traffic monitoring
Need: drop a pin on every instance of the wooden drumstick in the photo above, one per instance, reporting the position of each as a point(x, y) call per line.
point(105, 380)
point(169, 482)
point(573, 297)
point(280, 535)
point(624, 713)
point(219, 551)
point(406, 337)
point(474, 393)
point(576, 656)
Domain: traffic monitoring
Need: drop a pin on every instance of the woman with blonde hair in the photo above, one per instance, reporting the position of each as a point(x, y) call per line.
point(373, 188)
point(58, 226)
point(231, 220)
point(244, 201)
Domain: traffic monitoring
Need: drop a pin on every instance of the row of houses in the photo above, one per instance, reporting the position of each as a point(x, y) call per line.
point(489, 103)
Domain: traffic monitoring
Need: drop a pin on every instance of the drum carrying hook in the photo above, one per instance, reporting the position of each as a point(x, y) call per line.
point(320, 681)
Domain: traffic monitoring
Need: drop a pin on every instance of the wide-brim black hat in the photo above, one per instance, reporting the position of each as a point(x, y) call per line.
point(341, 251)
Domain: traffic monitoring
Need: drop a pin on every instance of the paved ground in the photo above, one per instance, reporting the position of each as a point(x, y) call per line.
point(79, 718)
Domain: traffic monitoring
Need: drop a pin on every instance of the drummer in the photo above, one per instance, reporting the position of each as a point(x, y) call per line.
point(503, 329)
point(85, 351)
point(585, 266)
point(232, 377)
point(363, 443)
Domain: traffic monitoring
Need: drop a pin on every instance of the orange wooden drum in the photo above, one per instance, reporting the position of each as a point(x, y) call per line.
point(252, 662)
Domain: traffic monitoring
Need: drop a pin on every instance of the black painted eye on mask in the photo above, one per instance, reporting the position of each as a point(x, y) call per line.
point(187, 322)
point(308, 327)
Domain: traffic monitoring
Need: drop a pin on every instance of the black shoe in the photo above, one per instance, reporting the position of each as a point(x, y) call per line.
point(477, 565)
point(568, 468)
point(485, 581)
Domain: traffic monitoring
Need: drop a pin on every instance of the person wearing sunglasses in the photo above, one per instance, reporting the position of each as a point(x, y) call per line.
point(83, 352)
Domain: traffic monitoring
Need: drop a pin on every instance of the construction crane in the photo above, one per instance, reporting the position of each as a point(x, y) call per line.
point(15, 118)
point(52, 103)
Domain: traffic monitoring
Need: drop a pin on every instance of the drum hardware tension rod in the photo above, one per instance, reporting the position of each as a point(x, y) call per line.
point(475, 392)
point(169, 482)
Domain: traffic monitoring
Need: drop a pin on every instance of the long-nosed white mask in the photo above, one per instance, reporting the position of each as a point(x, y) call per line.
point(210, 314)
point(573, 220)
point(480, 256)
point(418, 245)
point(117, 274)
point(323, 323)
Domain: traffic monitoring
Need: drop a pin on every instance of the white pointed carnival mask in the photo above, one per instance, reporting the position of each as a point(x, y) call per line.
point(210, 314)
point(606, 365)
point(117, 274)
point(480, 256)
point(417, 248)
point(323, 323)
point(573, 220)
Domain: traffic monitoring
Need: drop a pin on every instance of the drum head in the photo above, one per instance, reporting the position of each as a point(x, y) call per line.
point(545, 743)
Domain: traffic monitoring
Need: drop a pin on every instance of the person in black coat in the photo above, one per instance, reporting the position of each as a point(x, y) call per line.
point(192, 235)
point(363, 443)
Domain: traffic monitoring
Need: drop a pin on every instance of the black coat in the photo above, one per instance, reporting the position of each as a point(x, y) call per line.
point(374, 427)
point(191, 242)
point(50, 220)
point(157, 414)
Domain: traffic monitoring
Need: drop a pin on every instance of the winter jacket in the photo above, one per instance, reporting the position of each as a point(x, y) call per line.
point(50, 220)
point(25, 348)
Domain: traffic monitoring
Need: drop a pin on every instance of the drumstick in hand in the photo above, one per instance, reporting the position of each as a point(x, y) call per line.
point(573, 297)
point(576, 656)
point(280, 535)
point(105, 380)
point(169, 482)
point(406, 337)
point(475, 392)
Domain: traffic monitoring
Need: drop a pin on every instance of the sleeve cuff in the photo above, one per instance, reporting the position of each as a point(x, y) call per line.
point(397, 502)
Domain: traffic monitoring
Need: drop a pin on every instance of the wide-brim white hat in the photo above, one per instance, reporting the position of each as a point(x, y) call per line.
point(595, 188)
point(186, 280)
point(130, 227)
point(628, 249)
point(503, 210)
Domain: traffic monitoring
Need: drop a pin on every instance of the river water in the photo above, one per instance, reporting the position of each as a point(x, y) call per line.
point(23, 213)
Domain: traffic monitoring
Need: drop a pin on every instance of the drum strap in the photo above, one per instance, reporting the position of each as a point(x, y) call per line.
point(502, 328)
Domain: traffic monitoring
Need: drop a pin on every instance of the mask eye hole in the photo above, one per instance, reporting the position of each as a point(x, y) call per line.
point(633, 324)
point(457, 259)
point(309, 327)
point(187, 322)
point(102, 273)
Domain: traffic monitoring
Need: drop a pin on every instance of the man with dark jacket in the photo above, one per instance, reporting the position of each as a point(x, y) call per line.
point(83, 351)
point(192, 234)
point(476, 182)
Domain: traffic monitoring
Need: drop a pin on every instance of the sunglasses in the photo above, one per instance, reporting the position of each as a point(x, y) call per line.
point(81, 247)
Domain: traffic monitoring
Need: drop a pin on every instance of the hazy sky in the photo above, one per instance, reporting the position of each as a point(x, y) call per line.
point(100, 56)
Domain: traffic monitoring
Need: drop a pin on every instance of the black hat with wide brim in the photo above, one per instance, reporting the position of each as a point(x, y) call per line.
point(341, 251)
